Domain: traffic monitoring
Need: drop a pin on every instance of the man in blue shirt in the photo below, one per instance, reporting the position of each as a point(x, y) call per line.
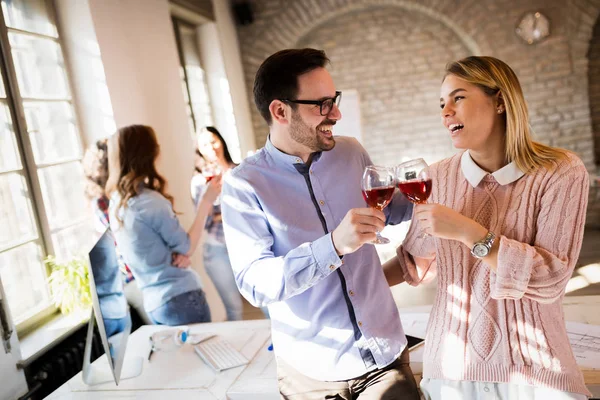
point(299, 235)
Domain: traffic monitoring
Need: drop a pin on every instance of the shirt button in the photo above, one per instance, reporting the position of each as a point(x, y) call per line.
point(359, 323)
point(486, 389)
point(321, 202)
point(342, 261)
point(332, 267)
point(298, 160)
point(351, 293)
point(311, 172)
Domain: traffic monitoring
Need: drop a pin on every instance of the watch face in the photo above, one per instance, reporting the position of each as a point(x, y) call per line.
point(480, 250)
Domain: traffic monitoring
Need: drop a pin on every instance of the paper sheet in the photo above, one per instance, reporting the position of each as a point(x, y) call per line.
point(415, 324)
point(585, 341)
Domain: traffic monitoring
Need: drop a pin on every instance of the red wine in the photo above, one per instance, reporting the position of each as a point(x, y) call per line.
point(378, 197)
point(416, 191)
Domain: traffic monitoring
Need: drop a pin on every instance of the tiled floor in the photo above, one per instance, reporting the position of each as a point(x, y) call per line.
point(585, 281)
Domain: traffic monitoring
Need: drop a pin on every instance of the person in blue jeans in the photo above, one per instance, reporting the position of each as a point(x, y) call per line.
point(216, 161)
point(149, 236)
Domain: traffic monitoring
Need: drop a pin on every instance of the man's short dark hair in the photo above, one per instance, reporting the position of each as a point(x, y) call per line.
point(277, 77)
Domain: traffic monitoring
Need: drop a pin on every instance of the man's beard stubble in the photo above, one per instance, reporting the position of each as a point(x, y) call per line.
point(301, 133)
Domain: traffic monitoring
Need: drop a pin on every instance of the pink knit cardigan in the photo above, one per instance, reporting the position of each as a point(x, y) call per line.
point(504, 326)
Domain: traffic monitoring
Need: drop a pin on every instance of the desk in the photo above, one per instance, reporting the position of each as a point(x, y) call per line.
point(182, 374)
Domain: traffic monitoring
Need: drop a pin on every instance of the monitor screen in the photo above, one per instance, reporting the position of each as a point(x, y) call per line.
point(110, 307)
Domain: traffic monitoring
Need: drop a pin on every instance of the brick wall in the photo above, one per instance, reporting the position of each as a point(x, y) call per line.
point(594, 87)
point(393, 53)
point(398, 79)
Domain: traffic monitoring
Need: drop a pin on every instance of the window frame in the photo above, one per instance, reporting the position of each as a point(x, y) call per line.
point(177, 23)
point(29, 169)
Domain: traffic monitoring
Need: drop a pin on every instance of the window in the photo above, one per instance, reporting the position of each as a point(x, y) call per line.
point(193, 77)
point(42, 206)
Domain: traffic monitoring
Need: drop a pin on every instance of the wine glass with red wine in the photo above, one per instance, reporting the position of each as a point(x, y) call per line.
point(378, 185)
point(209, 171)
point(414, 181)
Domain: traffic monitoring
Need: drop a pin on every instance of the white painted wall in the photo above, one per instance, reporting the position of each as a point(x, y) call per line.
point(136, 44)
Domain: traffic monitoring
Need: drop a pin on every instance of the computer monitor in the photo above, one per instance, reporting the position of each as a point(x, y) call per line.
point(111, 314)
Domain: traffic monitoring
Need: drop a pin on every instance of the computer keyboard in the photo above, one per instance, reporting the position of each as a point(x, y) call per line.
point(219, 354)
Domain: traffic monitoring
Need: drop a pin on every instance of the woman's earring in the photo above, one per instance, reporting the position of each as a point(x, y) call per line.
point(500, 110)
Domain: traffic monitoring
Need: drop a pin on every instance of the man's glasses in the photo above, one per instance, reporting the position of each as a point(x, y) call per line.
point(325, 105)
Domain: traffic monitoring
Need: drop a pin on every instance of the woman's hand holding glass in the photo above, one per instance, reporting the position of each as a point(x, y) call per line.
point(213, 191)
point(445, 223)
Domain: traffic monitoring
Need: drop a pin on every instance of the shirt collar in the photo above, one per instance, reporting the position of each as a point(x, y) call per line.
point(474, 174)
point(283, 158)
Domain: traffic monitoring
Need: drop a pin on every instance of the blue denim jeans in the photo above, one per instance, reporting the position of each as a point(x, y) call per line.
point(116, 325)
point(218, 268)
point(187, 308)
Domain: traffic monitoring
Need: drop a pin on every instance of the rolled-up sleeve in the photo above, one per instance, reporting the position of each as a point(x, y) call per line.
point(416, 256)
point(159, 215)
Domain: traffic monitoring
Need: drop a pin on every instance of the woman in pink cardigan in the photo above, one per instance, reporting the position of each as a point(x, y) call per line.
point(505, 224)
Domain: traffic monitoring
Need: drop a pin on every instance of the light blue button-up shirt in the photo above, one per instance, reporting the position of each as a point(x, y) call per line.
point(147, 238)
point(330, 319)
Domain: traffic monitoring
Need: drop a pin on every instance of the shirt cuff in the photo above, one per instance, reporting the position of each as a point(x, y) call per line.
point(184, 246)
point(324, 253)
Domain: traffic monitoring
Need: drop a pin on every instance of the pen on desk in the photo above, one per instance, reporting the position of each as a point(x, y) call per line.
point(151, 348)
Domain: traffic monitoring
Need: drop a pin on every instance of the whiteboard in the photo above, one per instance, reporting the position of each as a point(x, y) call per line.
point(350, 124)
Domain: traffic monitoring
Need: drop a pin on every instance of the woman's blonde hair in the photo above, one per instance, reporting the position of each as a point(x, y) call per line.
point(495, 76)
point(132, 152)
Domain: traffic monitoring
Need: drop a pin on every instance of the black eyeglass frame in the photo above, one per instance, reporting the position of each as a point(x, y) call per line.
point(337, 99)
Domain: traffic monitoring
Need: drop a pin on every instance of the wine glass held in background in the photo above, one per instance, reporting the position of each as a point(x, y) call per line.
point(378, 185)
point(210, 171)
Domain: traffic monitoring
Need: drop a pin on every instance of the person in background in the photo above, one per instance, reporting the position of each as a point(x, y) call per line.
point(505, 224)
point(148, 233)
point(217, 161)
point(95, 169)
point(302, 231)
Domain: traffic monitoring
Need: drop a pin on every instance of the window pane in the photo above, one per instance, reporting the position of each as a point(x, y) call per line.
point(63, 192)
point(40, 67)
point(199, 93)
point(29, 15)
point(74, 241)
point(10, 159)
point(24, 280)
point(52, 131)
point(16, 213)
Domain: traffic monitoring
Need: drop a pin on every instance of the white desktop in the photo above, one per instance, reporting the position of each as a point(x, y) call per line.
point(183, 375)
